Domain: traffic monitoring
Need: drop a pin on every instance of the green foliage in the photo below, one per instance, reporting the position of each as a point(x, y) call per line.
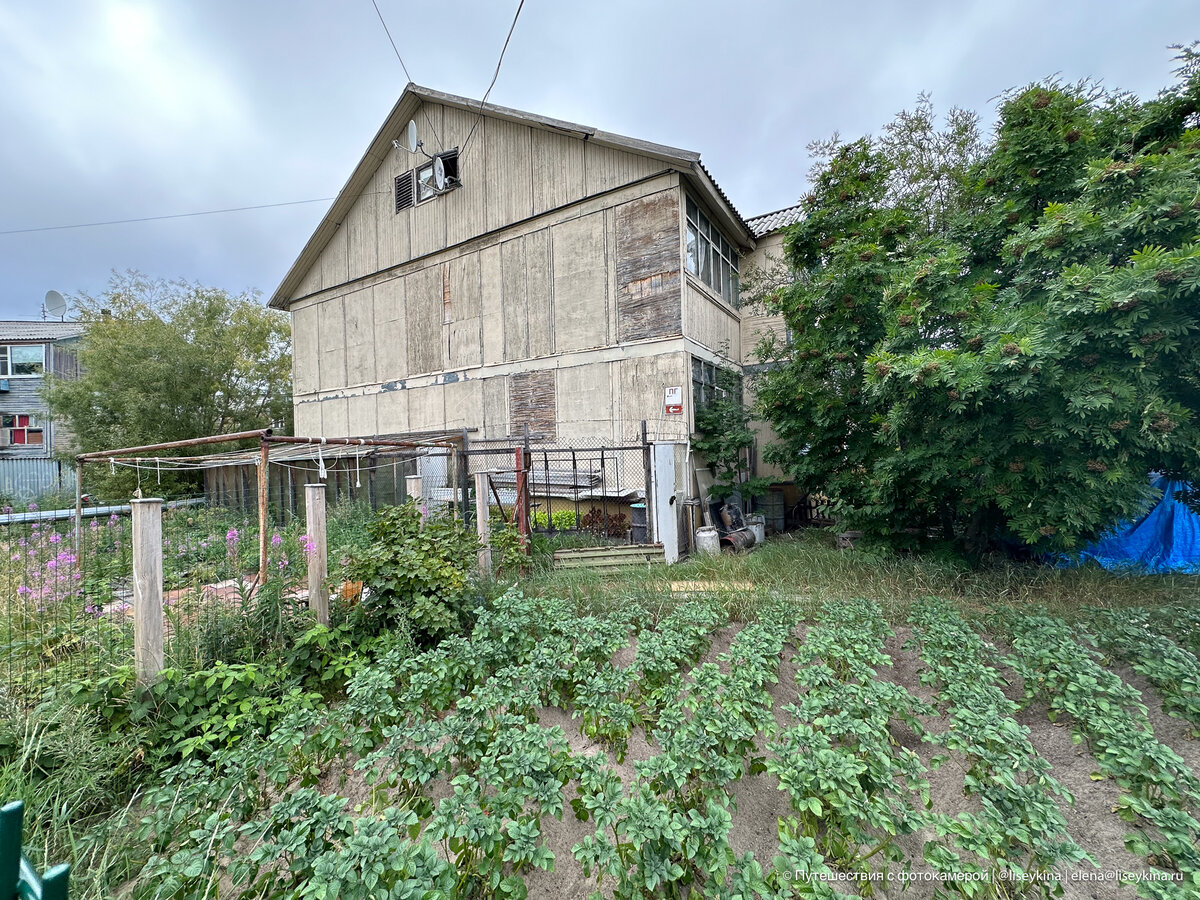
point(1174, 672)
point(851, 790)
point(1161, 795)
point(560, 520)
point(1019, 832)
point(416, 572)
point(723, 439)
point(1014, 364)
point(171, 361)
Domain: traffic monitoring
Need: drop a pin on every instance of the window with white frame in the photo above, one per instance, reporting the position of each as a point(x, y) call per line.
point(22, 359)
point(710, 257)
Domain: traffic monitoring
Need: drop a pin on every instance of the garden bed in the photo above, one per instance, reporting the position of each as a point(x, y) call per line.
point(557, 754)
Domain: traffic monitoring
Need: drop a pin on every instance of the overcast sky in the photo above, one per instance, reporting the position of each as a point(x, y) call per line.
point(124, 109)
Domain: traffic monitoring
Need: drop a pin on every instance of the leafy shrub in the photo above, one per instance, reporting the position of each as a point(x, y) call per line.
point(187, 713)
point(560, 520)
point(415, 573)
point(607, 524)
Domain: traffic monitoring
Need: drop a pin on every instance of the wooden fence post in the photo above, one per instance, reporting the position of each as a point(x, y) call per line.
point(147, 589)
point(264, 495)
point(482, 524)
point(318, 566)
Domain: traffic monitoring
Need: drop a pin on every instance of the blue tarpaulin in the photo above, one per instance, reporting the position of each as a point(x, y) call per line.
point(1166, 539)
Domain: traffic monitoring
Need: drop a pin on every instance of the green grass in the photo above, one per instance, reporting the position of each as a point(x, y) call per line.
point(805, 567)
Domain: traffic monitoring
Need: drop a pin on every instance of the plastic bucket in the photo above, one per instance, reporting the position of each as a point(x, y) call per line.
point(708, 541)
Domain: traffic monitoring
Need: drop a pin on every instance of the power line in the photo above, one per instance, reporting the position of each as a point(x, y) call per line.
point(495, 75)
point(388, 32)
point(392, 41)
point(207, 212)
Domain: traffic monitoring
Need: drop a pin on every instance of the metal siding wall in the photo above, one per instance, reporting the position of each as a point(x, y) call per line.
point(25, 479)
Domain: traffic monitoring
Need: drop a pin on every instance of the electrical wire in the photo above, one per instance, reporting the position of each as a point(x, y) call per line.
point(207, 212)
point(495, 75)
point(391, 41)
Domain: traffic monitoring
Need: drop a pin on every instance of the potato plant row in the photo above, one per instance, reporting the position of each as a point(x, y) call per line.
point(1160, 793)
point(1128, 636)
point(1019, 833)
point(670, 832)
point(852, 788)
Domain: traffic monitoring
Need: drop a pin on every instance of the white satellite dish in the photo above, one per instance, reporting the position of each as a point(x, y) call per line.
point(413, 142)
point(56, 304)
point(439, 173)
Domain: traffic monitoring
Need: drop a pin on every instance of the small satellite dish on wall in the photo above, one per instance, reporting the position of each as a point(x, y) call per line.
point(413, 141)
point(439, 173)
point(56, 304)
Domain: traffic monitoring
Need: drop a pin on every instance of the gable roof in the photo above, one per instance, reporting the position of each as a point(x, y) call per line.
point(773, 221)
point(39, 331)
point(685, 161)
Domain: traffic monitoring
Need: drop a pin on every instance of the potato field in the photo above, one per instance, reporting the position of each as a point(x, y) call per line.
point(802, 753)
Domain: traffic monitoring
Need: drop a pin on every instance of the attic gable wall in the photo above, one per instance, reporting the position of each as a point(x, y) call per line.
point(510, 172)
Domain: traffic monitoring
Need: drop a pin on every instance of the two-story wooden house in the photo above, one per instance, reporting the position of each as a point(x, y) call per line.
point(562, 281)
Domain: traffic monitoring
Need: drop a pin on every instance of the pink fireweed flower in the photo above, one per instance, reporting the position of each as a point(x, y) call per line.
point(276, 540)
point(307, 544)
point(24, 589)
point(56, 538)
point(283, 563)
point(231, 536)
point(94, 525)
point(33, 507)
point(15, 557)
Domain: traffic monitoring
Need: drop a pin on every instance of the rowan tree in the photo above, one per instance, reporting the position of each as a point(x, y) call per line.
point(1001, 344)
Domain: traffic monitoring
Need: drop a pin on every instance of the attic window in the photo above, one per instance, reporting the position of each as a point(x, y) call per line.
point(416, 185)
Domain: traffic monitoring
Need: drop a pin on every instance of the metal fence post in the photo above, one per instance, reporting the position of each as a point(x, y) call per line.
point(314, 514)
point(147, 589)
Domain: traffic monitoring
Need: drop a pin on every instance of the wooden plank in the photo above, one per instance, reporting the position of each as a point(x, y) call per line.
point(147, 589)
point(649, 300)
point(318, 597)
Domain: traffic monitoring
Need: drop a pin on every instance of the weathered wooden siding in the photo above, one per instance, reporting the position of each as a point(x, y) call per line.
point(641, 384)
point(648, 263)
point(509, 172)
point(532, 402)
point(586, 404)
point(710, 323)
point(767, 262)
point(580, 315)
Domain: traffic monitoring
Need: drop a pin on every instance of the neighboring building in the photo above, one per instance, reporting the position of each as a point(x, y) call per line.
point(29, 438)
point(564, 281)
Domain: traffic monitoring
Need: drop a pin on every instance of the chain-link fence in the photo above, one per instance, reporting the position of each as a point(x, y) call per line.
point(66, 598)
point(576, 496)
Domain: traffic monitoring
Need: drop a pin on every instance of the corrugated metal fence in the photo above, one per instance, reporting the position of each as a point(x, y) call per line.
point(23, 480)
